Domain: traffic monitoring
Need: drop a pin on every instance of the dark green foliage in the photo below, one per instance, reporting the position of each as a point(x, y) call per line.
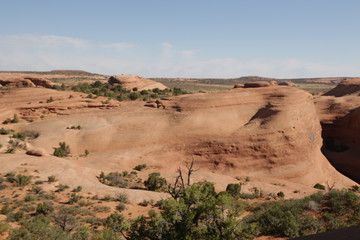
point(199, 214)
point(38, 228)
point(61, 187)
point(121, 207)
point(280, 194)
point(4, 227)
point(44, 208)
point(62, 151)
point(121, 94)
point(22, 180)
point(15, 119)
point(16, 216)
point(115, 222)
point(155, 182)
point(319, 186)
point(51, 179)
point(234, 190)
point(140, 167)
point(74, 198)
point(77, 189)
point(4, 131)
point(5, 209)
point(10, 177)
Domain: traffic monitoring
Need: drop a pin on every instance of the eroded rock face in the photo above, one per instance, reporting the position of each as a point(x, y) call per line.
point(339, 114)
point(132, 81)
point(25, 82)
point(41, 82)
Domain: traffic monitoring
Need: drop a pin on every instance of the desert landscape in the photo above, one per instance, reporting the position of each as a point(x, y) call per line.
point(103, 157)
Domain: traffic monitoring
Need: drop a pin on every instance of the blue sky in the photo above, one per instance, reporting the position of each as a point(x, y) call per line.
point(198, 38)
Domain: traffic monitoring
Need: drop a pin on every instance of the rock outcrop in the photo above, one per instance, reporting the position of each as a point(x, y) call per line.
point(339, 113)
point(131, 81)
point(256, 84)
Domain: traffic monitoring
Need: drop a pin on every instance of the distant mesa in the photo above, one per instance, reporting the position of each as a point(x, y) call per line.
point(346, 87)
point(287, 83)
point(132, 81)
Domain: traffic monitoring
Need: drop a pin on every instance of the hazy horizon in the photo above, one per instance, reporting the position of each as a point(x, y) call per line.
point(187, 39)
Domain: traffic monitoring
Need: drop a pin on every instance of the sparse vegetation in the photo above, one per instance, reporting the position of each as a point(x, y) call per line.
point(15, 119)
point(319, 186)
point(140, 167)
point(121, 180)
point(155, 182)
point(62, 151)
point(198, 213)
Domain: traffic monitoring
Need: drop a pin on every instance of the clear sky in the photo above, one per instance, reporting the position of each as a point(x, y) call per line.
point(183, 38)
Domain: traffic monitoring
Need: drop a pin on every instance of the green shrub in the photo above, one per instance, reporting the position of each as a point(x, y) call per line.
point(51, 179)
point(62, 151)
point(100, 208)
point(44, 208)
point(74, 198)
point(77, 189)
point(122, 197)
point(140, 167)
point(61, 187)
point(234, 190)
point(319, 186)
point(155, 182)
point(4, 227)
point(15, 119)
point(280, 194)
point(22, 180)
point(121, 207)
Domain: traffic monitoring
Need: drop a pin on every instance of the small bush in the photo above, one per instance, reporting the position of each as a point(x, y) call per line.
point(74, 198)
point(62, 151)
point(61, 187)
point(103, 209)
point(140, 167)
point(155, 182)
point(234, 190)
point(319, 186)
point(4, 227)
point(51, 179)
point(44, 208)
point(22, 180)
point(15, 119)
point(77, 189)
point(122, 197)
point(280, 194)
point(121, 207)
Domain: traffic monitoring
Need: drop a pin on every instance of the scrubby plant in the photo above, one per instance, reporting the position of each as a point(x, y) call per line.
point(44, 208)
point(22, 180)
point(280, 194)
point(51, 179)
point(121, 207)
point(234, 190)
point(319, 186)
point(77, 189)
point(15, 119)
point(61, 187)
point(155, 182)
point(122, 197)
point(62, 151)
point(140, 167)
